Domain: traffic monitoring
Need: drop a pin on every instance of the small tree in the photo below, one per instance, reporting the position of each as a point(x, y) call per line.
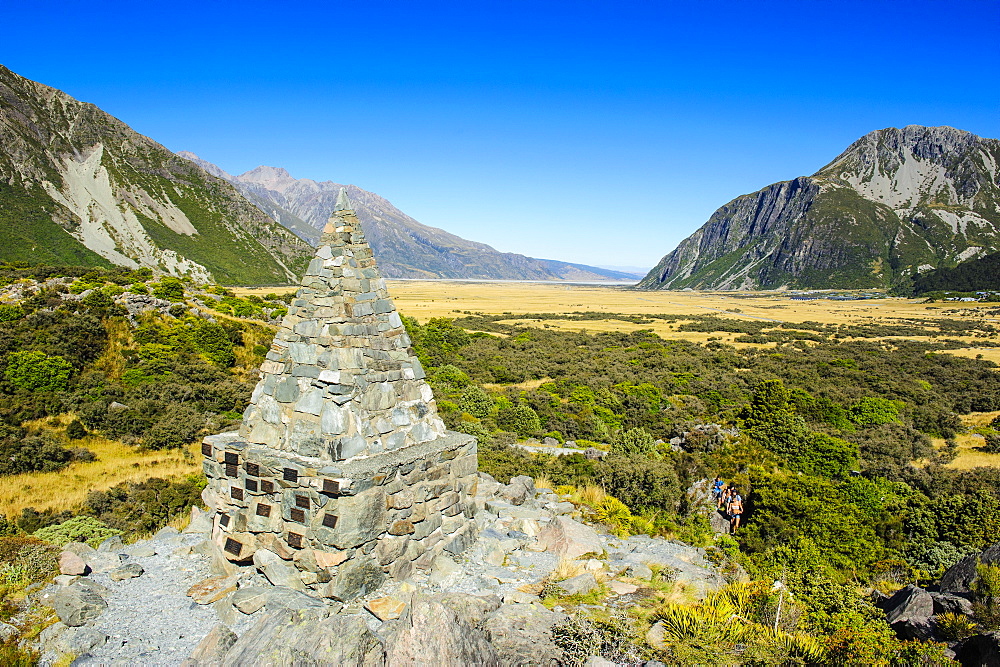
point(520, 419)
point(476, 402)
point(634, 442)
point(987, 589)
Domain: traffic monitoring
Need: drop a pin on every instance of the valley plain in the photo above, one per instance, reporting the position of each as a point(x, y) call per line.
point(425, 299)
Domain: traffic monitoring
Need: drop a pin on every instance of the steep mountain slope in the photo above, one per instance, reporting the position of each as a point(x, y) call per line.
point(78, 186)
point(895, 203)
point(972, 275)
point(404, 247)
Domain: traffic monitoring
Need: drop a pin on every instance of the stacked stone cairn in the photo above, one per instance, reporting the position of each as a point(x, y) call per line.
point(342, 463)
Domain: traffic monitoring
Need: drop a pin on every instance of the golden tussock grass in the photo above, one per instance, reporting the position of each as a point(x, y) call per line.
point(116, 462)
point(968, 454)
point(567, 568)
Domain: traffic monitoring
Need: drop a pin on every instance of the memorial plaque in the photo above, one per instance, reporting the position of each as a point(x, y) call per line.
point(232, 470)
point(290, 475)
point(295, 540)
point(330, 520)
point(267, 486)
point(232, 457)
point(206, 449)
point(233, 546)
point(331, 486)
point(302, 501)
point(253, 469)
point(263, 510)
point(236, 493)
point(223, 520)
point(298, 516)
point(251, 485)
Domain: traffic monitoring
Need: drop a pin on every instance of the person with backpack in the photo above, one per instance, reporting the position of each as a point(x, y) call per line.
point(717, 491)
point(735, 510)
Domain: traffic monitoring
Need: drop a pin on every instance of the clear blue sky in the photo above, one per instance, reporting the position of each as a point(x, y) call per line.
point(597, 132)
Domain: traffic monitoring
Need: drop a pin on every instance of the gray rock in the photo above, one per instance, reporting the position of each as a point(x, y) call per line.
point(280, 597)
point(201, 522)
point(141, 550)
point(960, 576)
point(980, 650)
point(430, 633)
point(80, 548)
point(285, 638)
point(72, 564)
point(8, 632)
point(62, 639)
point(213, 648)
point(126, 571)
point(281, 573)
point(578, 585)
point(950, 603)
point(473, 609)
point(355, 578)
point(113, 543)
point(443, 571)
point(910, 602)
point(569, 539)
point(100, 562)
point(250, 599)
point(522, 634)
point(76, 605)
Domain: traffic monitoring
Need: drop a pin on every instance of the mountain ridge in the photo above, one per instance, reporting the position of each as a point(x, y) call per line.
point(404, 247)
point(78, 186)
point(895, 203)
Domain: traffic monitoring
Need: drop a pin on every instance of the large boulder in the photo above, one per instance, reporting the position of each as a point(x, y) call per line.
point(960, 576)
point(75, 605)
point(980, 650)
point(909, 602)
point(285, 637)
point(213, 648)
point(356, 577)
point(569, 539)
point(951, 603)
point(522, 634)
point(432, 634)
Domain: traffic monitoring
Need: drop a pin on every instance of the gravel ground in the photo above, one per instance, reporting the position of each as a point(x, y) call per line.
point(150, 620)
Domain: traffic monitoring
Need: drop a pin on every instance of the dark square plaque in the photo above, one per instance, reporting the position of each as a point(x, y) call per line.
point(232, 470)
point(330, 520)
point(267, 486)
point(232, 457)
point(297, 515)
point(206, 449)
point(302, 501)
point(251, 485)
point(223, 520)
point(263, 510)
point(295, 540)
point(253, 469)
point(236, 493)
point(331, 486)
point(233, 546)
point(290, 475)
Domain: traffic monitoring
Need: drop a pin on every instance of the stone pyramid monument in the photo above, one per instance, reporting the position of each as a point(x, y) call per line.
point(341, 454)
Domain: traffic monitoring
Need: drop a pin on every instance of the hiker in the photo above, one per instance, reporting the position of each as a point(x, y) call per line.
point(717, 491)
point(735, 510)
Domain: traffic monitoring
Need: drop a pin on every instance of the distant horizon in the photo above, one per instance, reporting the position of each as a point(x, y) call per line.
point(592, 133)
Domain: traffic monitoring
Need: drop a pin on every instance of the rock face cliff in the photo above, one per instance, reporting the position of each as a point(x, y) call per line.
point(895, 203)
point(80, 187)
point(405, 248)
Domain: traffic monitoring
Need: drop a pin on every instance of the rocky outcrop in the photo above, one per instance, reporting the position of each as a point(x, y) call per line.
point(896, 202)
point(478, 607)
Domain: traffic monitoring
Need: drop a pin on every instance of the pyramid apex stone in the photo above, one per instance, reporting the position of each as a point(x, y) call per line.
point(343, 202)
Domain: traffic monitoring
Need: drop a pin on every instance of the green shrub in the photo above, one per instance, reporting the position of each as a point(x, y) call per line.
point(476, 402)
point(634, 442)
point(986, 587)
point(169, 288)
point(38, 371)
point(520, 419)
point(78, 529)
point(954, 627)
point(76, 430)
point(10, 312)
point(32, 454)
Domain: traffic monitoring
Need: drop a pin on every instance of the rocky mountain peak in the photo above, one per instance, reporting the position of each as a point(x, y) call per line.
point(272, 178)
point(896, 202)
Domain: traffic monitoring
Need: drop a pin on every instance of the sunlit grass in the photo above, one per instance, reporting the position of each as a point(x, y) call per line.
point(116, 462)
point(968, 454)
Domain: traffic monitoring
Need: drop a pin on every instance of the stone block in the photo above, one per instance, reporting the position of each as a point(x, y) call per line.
point(360, 518)
point(357, 577)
